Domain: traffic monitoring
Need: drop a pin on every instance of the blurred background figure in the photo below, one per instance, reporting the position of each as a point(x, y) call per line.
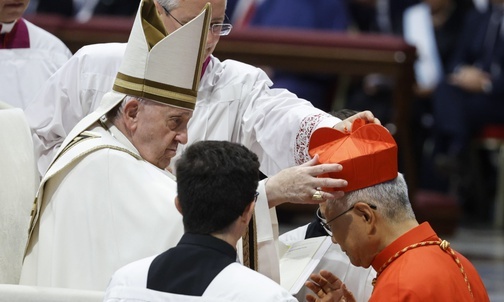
point(433, 27)
point(374, 90)
point(379, 16)
point(28, 55)
point(469, 98)
point(83, 10)
point(300, 14)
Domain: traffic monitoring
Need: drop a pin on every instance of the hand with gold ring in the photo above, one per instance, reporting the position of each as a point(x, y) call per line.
point(327, 287)
point(317, 195)
point(301, 184)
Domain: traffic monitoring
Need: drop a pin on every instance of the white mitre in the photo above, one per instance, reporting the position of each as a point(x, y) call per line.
point(158, 66)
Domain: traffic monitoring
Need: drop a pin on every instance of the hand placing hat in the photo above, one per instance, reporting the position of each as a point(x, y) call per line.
point(346, 124)
point(367, 152)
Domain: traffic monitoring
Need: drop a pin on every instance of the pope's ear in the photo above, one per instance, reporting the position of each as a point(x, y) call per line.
point(131, 109)
point(159, 8)
point(130, 115)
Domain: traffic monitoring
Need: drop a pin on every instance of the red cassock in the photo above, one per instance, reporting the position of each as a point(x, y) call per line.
point(424, 272)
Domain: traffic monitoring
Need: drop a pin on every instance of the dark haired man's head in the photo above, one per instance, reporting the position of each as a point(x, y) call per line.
point(343, 113)
point(216, 181)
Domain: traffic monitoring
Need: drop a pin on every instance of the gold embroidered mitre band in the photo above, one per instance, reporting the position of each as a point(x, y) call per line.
point(163, 67)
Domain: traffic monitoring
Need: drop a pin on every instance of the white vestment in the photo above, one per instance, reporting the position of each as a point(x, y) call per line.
point(139, 294)
point(357, 279)
point(18, 184)
point(234, 103)
point(23, 71)
point(100, 209)
point(234, 283)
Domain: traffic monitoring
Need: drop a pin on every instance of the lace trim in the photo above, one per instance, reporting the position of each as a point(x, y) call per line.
point(306, 129)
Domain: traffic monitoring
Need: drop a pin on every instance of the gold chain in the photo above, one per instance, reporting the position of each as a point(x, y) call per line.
point(444, 245)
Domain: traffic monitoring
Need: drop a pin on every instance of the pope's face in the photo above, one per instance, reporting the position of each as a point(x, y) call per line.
point(11, 10)
point(158, 130)
point(188, 10)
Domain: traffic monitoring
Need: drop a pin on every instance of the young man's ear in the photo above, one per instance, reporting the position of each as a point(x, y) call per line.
point(177, 205)
point(248, 212)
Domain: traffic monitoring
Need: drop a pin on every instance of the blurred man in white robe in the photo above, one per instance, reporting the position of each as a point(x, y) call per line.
point(29, 55)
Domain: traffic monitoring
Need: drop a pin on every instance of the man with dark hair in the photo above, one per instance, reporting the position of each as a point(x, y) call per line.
point(216, 183)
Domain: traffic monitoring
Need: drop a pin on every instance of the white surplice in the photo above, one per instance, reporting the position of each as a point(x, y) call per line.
point(234, 283)
point(23, 71)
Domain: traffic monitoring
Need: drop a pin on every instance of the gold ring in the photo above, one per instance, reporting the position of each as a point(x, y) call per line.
point(317, 195)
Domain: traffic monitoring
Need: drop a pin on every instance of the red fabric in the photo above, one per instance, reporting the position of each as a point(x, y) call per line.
point(493, 131)
point(244, 21)
point(204, 67)
point(18, 37)
point(368, 153)
point(424, 273)
point(248, 15)
point(320, 38)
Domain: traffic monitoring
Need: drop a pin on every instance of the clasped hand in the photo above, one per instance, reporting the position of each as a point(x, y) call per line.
point(327, 288)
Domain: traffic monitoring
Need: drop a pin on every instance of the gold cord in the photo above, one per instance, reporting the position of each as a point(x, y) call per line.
point(443, 244)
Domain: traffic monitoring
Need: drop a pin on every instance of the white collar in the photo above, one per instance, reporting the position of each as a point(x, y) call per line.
point(7, 27)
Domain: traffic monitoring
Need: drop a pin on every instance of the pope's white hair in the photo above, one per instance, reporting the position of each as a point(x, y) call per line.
point(169, 4)
point(119, 108)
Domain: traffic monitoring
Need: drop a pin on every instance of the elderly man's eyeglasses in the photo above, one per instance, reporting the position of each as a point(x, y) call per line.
point(221, 29)
point(326, 224)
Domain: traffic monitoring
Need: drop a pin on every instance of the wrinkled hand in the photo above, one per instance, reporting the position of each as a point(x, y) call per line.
point(346, 124)
point(327, 287)
point(469, 78)
point(298, 184)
